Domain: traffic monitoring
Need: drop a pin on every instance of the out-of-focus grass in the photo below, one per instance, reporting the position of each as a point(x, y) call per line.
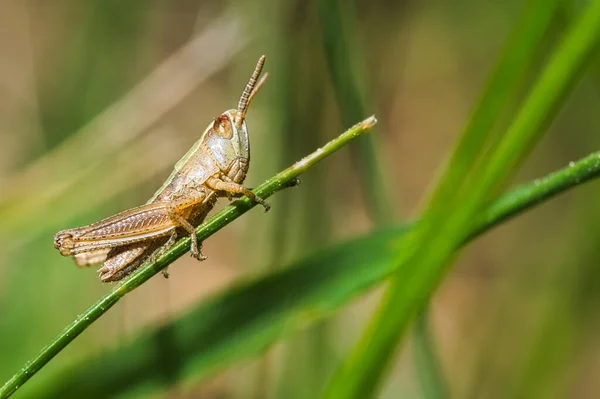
point(423, 70)
point(430, 248)
point(118, 130)
point(365, 367)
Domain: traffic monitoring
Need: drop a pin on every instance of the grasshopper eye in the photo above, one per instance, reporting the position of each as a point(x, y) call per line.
point(222, 126)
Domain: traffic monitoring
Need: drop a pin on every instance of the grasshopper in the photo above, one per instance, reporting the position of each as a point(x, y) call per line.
point(214, 167)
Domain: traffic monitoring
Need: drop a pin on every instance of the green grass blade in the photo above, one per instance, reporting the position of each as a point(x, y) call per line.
point(211, 226)
point(503, 86)
point(425, 254)
point(244, 320)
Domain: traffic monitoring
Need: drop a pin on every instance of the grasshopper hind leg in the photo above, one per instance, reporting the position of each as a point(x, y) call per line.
point(161, 250)
point(123, 261)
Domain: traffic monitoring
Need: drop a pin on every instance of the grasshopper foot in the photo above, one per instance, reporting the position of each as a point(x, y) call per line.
point(257, 199)
point(198, 256)
point(232, 188)
point(264, 204)
point(196, 251)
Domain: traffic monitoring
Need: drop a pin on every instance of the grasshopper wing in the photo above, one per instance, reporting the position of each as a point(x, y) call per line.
point(138, 224)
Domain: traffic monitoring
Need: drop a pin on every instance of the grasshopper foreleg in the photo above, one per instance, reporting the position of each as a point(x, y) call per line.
point(231, 188)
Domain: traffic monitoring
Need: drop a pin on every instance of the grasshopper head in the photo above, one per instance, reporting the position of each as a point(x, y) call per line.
point(227, 139)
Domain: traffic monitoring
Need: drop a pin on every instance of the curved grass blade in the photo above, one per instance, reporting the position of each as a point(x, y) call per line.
point(244, 320)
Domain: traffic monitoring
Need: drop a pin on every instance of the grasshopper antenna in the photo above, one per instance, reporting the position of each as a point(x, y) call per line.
point(250, 91)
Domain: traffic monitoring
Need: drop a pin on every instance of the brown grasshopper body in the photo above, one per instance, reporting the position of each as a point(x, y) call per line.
point(214, 167)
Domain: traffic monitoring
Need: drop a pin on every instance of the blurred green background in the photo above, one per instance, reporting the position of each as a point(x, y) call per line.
point(98, 99)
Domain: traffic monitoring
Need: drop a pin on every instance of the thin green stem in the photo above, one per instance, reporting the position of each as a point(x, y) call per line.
point(240, 322)
point(528, 195)
point(208, 228)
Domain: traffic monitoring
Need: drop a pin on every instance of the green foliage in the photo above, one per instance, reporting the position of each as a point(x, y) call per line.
point(244, 320)
point(538, 68)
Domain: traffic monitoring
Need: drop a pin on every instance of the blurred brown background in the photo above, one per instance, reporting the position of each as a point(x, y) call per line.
point(98, 99)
